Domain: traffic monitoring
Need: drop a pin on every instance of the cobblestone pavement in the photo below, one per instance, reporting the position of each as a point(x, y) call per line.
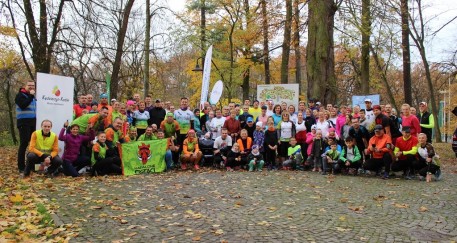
point(280, 206)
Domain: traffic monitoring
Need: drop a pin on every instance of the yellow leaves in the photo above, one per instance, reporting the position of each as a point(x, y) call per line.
point(197, 238)
point(16, 198)
point(423, 209)
point(219, 232)
point(401, 205)
point(8, 31)
point(193, 215)
point(264, 223)
point(343, 200)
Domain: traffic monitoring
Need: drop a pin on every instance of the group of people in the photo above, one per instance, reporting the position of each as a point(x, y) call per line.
point(325, 139)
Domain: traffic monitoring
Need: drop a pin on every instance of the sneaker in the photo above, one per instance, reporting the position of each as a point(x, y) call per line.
point(360, 171)
point(260, 170)
point(385, 176)
point(438, 175)
point(183, 166)
point(324, 173)
point(229, 168)
point(196, 167)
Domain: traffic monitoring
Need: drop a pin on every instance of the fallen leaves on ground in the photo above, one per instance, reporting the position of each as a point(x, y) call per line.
point(25, 215)
point(401, 205)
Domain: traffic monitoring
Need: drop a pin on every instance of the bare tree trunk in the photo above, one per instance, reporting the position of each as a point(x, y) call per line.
point(418, 35)
point(320, 59)
point(366, 33)
point(10, 110)
point(120, 49)
point(147, 40)
point(286, 44)
point(296, 42)
point(383, 77)
point(266, 51)
point(404, 11)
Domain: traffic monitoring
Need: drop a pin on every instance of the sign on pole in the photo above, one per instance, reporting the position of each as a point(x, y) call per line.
point(206, 76)
point(54, 96)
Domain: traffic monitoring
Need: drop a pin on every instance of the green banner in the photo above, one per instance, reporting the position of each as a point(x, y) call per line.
point(143, 157)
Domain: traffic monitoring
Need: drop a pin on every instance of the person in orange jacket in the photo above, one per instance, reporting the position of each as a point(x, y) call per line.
point(380, 149)
point(191, 153)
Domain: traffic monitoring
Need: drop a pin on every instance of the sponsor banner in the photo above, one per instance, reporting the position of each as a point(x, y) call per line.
point(279, 93)
point(206, 76)
point(216, 93)
point(54, 96)
point(360, 100)
point(143, 157)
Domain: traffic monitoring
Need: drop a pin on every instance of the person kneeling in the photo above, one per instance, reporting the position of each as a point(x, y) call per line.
point(428, 163)
point(103, 161)
point(405, 152)
point(255, 159)
point(350, 157)
point(295, 156)
point(191, 152)
point(330, 157)
point(43, 148)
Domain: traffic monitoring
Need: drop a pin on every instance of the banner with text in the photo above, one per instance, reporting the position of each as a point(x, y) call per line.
point(279, 93)
point(54, 96)
point(143, 157)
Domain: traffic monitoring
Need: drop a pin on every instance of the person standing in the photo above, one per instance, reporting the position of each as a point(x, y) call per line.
point(26, 119)
point(426, 120)
point(410, 120)
point(184, 117)
point(156, 114)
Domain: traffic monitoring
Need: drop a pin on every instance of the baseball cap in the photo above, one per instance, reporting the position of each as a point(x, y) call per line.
point(318, 103)
point(313, 127)
point(157, 101)
point(378, 128)
point(367, 100)
point(406, 129)
point(259, 123)
point(249, 119)
point(423, 103)
point(103, 96)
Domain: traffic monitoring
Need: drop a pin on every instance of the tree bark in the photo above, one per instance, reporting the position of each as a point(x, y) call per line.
point(120, 49)
point(320, 58)
point(286, 43)
point(366, 33)
point(296, 44)
point(147, 41)
point(10, 110)
point(404, 11)
point(266, 52)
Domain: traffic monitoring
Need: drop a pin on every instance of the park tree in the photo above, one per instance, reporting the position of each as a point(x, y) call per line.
point(36, 39)
point(286, 43)
point(320, 50)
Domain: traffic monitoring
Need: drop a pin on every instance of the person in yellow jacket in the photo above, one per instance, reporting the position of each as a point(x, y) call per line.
point(44, 149)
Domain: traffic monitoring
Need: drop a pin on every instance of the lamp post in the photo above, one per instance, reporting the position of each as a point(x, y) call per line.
point(197, 66)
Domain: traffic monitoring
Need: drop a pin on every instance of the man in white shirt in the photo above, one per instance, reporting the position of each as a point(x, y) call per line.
point(222, 146)
point(216, 124)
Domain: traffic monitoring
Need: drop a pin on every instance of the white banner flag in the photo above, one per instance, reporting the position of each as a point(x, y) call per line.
point(206, 76)
point(54, 96)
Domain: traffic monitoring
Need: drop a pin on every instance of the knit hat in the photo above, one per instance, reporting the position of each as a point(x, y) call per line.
point(313, 127)
point(103, 96)
point(130, 102)
point(259, 123)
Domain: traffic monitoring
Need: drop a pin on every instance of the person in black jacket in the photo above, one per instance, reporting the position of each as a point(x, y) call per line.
point(270, 144)
point(26, 119)
point(156, 114)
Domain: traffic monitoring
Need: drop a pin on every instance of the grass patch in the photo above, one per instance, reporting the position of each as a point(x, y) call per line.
point(444, 150)
point(12, 229)
point(46, 219)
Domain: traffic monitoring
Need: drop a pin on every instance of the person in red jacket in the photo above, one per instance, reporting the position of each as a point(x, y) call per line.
point(405, 152)
point(233, 125)
point(379, 147)
point(410, 120)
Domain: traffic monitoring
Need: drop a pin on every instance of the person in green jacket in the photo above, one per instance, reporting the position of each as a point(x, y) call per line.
point(148, 135)
point(330, 157)
point(350, 158)
point(82, 122)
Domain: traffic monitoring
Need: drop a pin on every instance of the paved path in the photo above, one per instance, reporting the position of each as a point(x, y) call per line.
point(280, 206)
